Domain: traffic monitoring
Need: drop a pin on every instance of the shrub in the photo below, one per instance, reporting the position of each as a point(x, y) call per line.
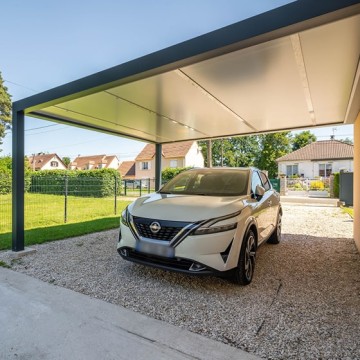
point(336, 184)
point(317, 185)
point(6, 175)
point(168, 173)
point(298, 186)
point(87, 183)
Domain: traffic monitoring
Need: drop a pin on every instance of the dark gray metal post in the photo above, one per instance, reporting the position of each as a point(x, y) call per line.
point(18, 181)
point(115, 195)
point(66, 180)
point(158, 152)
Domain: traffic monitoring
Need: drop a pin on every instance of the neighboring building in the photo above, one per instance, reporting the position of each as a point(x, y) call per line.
point(318, 159)
point(127, 170)
point(183, 154)
point(46, 162)
point(95, 162)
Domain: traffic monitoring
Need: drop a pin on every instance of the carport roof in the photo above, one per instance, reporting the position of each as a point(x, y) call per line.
point(293, 67)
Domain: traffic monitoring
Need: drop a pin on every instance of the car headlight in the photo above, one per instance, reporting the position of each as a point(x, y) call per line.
point(224, 223)
point(125, 217)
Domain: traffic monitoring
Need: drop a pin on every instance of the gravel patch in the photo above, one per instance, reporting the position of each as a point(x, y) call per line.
point(304, 301)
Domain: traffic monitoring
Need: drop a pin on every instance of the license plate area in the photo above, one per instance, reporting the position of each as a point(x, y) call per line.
point(154, 248)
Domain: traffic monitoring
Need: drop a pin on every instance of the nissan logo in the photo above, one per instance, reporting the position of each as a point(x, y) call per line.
point(155, 227)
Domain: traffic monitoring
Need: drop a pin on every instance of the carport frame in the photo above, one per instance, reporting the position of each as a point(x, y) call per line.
point(294, 17)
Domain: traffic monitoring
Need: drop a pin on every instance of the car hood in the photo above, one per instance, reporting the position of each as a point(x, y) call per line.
point(185, 207)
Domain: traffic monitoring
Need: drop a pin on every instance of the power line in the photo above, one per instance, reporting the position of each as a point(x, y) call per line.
point(25, 87)
point(41, 127)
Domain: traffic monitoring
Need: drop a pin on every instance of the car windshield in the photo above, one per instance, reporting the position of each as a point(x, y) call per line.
point(224, 182)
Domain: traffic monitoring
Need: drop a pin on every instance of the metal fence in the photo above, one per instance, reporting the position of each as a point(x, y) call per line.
point(318, 187)
point(55, 201)
point(137, 187)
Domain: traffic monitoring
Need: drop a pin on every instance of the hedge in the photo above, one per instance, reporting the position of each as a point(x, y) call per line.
point(336, 184)
point(168, 173)
point(87, 183)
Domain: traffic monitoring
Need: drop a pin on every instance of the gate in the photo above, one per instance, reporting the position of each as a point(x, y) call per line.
point(346, 188)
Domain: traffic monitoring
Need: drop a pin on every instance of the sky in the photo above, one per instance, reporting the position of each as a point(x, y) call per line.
point(49, 43)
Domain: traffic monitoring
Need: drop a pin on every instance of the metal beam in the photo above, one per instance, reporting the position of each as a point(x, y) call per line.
point(18, 181)
point(158, 153)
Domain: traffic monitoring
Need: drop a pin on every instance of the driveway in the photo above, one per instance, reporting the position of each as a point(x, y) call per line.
point(304, 301)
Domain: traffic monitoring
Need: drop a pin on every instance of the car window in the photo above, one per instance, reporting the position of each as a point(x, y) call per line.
point(255, 181)
point(265, 181)
point(219, 182)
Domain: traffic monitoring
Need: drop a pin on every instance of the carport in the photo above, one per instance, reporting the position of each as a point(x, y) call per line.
point(294, 67)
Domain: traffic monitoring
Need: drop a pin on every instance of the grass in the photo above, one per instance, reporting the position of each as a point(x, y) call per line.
point(44, 217)
point(348, 210)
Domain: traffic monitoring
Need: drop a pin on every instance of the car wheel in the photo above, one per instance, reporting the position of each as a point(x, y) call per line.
point(244, 272)
point(276, 235)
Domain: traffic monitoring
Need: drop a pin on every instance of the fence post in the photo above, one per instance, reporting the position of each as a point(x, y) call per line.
point(66, 198)
point(148, 185)
point(283, 185)
point(125, 187)
point(140, 187)
point(115, 199)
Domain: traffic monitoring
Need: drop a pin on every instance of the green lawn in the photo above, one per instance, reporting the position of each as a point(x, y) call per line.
point(348, 210)
point(44, 217)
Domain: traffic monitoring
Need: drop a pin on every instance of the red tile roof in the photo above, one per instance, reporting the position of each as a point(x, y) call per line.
point(174, 150)
point(81, 162)
point(321, 150)
point(127, 169)
point(41, 160)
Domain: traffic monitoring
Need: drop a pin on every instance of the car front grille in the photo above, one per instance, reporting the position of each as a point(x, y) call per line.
point(169, 229)
point(172, 264)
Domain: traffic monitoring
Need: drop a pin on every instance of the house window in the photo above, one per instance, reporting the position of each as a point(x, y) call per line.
point(173, 163)
point(54, 164)
point(145, 165)
point(292, 170)
point(325, 170)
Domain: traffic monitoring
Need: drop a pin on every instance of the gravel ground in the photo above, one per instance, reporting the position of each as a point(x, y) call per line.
point(304, 302)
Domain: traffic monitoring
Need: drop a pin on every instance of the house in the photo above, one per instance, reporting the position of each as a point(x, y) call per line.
point(43, 161)
point(95, 162)
point(182, 154)
point(127, 170)
point(318, 159)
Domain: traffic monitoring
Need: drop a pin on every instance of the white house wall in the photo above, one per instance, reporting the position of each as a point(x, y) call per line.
point(310, 169)
point(194, 157)
point(48, 166)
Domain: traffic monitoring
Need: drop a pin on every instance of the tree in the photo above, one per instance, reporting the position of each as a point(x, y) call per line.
point(271, 147)
point(302, 139)
point(5, 109)
point(233, 152)
point(66, 160)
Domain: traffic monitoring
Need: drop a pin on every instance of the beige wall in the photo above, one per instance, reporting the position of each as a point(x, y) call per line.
point(145, 174)
point(357, 182)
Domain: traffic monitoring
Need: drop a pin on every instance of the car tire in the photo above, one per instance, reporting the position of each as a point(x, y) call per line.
point(244, 272)
point(275, 237)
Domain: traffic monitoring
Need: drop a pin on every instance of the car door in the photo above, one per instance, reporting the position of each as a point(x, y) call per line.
point(262, 210)
point(273, 199)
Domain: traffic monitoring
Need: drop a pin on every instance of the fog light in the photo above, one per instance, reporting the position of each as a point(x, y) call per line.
point(197, 267)
point(124, 252)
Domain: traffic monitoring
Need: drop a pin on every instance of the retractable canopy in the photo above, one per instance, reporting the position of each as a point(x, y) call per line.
point(293, 67)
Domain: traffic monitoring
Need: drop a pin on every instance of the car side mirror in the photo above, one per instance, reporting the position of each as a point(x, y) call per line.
point(259, 191)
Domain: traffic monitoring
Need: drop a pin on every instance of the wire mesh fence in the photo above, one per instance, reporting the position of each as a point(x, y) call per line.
point(62, 199)
point(137, 187)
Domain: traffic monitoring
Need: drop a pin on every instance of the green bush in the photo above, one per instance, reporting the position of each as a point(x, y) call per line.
point(168, 173)
point(336, 185)
point(87, 183)
point(6, 175)
point(298, 187)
